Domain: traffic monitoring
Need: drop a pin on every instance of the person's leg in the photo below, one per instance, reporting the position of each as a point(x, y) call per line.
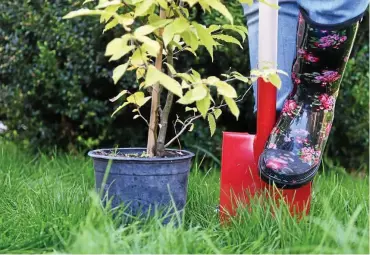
point(293, 152)
point(288, 17)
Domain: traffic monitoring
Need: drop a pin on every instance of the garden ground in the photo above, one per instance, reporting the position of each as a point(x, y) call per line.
point(47, 204)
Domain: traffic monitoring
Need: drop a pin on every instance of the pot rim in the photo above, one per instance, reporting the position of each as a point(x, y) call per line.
point(188, 155)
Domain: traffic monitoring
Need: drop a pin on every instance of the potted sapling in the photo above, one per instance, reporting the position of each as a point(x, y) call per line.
point(154, 32)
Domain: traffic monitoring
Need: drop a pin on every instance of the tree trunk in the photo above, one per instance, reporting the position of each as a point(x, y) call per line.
point(165, 113)
point(153, 121)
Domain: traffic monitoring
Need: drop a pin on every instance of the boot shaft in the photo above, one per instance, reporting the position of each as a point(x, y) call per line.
point(322, 55)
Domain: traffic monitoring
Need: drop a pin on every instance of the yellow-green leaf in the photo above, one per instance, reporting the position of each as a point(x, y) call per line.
point(87, 1)
point(170, 84)
point(218, 6)
point(225, 89)
point(151, 76)
point(196, 94)
point(187, 109)
point(110, 25)
point(139, 57)
point(233, 107)
point(203, 105)
point(119, 71)
point(236, 29)
point(109, 12)
point(217, 113)
point(138, 99)
point(143, 8)
point(228, 39)
point(191, 127)
point(212, 124)
point(274, 78)
point(151, 46)
point(212, 80)
point(190, 39)
point(205, 38)
point(249, 2)
point(122, 93)
point(82, 12)
point(140, 73)
point(170, 68)
point(119, 108)
point(108, 3)
point(163, 4)
point(147, 29)
point(154, 75)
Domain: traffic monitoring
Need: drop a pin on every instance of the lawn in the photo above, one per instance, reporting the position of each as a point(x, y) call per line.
point(47, 204)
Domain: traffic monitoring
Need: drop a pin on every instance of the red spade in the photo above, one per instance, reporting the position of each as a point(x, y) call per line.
point(240, 178)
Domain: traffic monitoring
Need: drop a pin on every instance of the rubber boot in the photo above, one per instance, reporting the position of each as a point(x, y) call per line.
point(293, 152)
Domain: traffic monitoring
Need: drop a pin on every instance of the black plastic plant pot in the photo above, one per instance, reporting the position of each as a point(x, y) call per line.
point(142, 184)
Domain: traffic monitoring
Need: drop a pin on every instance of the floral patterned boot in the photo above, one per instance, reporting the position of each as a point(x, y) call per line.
point(293, 152)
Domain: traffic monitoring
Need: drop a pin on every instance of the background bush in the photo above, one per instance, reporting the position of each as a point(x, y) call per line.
point(55, 84)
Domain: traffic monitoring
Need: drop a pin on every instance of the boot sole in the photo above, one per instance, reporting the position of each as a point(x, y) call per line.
point(278, 180)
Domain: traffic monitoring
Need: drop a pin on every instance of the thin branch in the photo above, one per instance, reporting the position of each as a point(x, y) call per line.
point(189, 121)
point(182, 130)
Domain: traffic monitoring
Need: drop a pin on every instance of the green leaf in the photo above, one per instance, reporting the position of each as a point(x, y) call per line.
point(212, 124)
point(122, 93)
point(119, 71)
point(218, 6)
point(233, 107)
point(203, 105)
point(225, 89)
point(205, 38)
point(274, 78)
point(217, 113)
point(227, 38)
point(82, 12)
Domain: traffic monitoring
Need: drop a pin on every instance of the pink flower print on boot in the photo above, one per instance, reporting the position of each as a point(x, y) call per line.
point(276, 163)
point(309, 57)
point(328, 77)
point(271, 146)
point(330, 41)
point(309, 155)
point(295, 79)
point(290, 108)
point(326, 102)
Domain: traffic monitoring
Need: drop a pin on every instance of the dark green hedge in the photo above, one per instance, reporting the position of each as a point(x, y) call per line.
point(55, 84)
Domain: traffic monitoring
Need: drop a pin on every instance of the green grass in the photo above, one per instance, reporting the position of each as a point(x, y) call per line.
point(47, 204)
